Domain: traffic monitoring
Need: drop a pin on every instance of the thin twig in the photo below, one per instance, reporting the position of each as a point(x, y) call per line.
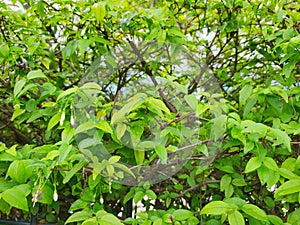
point(204, 182)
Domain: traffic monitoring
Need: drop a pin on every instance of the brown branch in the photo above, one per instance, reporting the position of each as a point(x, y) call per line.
point(149, 72)
point(202, 183)
point(193, 145)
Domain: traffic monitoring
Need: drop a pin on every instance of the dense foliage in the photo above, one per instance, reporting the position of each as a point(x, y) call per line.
point(244, 135)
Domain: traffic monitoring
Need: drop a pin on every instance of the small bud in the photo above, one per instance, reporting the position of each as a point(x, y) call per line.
point(55, 196)
point(62, 118)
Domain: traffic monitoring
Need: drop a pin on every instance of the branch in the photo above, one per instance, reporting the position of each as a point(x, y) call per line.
point(202, 183)
point(149, 72)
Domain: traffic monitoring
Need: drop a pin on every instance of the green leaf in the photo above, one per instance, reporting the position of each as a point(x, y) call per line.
point(129, 196)
point(281, 137)
point(294, 217)
point(110, 170)
point(120, 130)
point(79, 216)
point(90, 221)
point(47, 194)
point(67, 134)
point(73, 171)
point(82, 45)
point(158, 221)
point(236, 201)
point(219, 126)
point(17, 112)
point(239, 182)
point(16, 198)
point(99, 11)
point(275, 220)
point(158, 104)
point(245, 93)
point(270, 163)
point(109, 219)
point(138, 196)
point(18, 87)
point(133, 103)
point(182, 214)
point(64, 151)
point(151, 194)
point(19, 170)
point(252, 127)
point(35, 74)
point(248, 147)
point(236, 218)
point(225, 182)
point(289, 187)
point(54, 121)
point(253, 164)
point(26, 88)
point(288, 174)
point(124, 168)
point(104, 125)
point(216, 208)
point(176, 31)
point(69, 50)
point(4, 51)
point(85, 127)
point(249, 106)
point(161, 151)
point(255, 212)
point(66, 93)
point(191, 101)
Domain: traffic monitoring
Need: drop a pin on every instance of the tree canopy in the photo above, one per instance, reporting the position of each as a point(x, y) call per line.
point(188, 109)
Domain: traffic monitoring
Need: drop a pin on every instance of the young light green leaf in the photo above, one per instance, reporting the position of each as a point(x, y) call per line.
point(245, 93)
point(191, 101)
point(151, 194)
point(161, 151)
point(79, 216)
point(182, 214)
point(85, 127)
point(73, 171)
point(99, 11)
point(120, 130)
point(255, 212)
point(18, 87)
point(19, 170)
point(35, 74)
point(104, 125)
point(225, 181)
point(275, 220)
point(54, 121)
point(158, 104)
point(253, 164)
point(67, 92)
point(236, 218)
point(17, 112)
point(252, 101)
point(15, 198)
point(270, 163)
point(138, 196)
point(109, 219)
point(124, 168)
point(288, 174)
point(90, 221)
point(281, 137)
point(289, 187)
point(216, 208)
point(139, 156)
point(219, 126)
point(64, 151)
